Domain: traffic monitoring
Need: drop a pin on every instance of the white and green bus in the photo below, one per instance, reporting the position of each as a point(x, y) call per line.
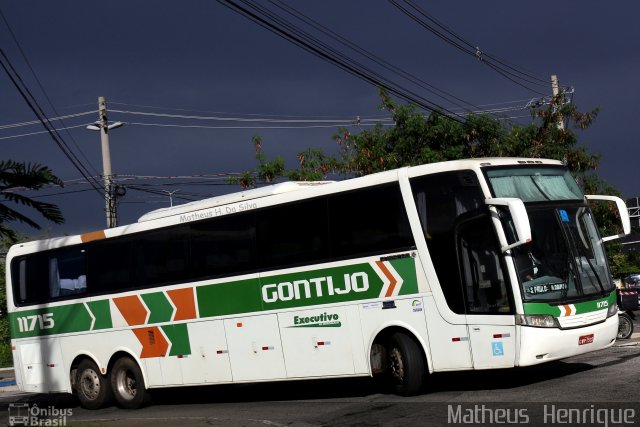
point(470, 264)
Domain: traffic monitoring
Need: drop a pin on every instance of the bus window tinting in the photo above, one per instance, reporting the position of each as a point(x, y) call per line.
point(223, 246)
point(164, 256)
point(112, 265)
point(294, 233)
point(346, 225)
point(369, 221)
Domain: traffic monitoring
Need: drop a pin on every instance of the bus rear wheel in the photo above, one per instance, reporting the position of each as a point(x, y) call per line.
point(93, 390)
point(128, 384)
point(406, 365)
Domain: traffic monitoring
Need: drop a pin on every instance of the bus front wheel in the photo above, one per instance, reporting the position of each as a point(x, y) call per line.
point(406, 365)
point(93, 390)
point(128, 384)
point(625, 326)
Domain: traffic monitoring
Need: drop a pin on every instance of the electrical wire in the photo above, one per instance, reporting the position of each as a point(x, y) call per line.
point(293, 34)
point(427, 21)
point(250, 127)
point(28, 97)
point(41, 132)
point(271, 116)
point(44, 92)
point(51, 119)
point(376, 59)
point(237, 119)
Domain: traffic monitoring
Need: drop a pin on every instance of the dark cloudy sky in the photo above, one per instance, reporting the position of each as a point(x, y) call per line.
point(197, 58)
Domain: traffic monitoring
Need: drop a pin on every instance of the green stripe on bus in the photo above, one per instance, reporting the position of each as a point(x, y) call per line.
point(229, 298)
point(406, 268)
point(178, 335)
point(299, 289)
point(580, 307)
point(102, 312)
point(159, 306)
point(50, 321)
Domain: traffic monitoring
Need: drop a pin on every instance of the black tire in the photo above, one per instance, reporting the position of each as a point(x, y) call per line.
point(625, 326)
point(406, 365)
point(128, 384)
point(92, 388)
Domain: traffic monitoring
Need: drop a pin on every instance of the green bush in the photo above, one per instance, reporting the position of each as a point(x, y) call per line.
point(6, 359)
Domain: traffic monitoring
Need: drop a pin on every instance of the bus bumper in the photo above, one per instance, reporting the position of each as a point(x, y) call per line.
point(539, 345)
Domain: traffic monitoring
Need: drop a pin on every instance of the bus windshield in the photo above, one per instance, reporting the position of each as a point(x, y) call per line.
point(566, 258)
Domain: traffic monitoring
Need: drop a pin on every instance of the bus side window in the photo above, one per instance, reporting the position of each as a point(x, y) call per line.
point(368, 221)
point(28, 274)
point(22, 280)
point(67, 272)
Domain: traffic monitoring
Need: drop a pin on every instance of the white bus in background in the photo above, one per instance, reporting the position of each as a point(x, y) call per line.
point(470, 264)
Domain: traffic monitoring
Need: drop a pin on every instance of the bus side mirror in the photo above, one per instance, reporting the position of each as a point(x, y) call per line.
point(518, 216)
point(622, 209)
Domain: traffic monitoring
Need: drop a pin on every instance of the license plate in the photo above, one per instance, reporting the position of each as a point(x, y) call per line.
point(585, 339)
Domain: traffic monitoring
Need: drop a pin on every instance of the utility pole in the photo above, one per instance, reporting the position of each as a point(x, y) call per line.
point(104, 127)
point(112, 216)
point(555, 88)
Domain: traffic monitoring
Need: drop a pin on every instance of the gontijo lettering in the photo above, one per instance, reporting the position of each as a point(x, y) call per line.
point(315, 287)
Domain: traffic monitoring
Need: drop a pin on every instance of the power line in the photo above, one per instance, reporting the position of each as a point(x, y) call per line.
point(293, 34)
point(238, 119)
point(271, 116)
point(44, 92)
point(376, 59)
point(51, 119)
point(249, 127)
point(427, 21)
point(24, 91)
point(41, 132)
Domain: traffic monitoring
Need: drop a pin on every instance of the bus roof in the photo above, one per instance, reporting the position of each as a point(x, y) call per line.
point(224, 199)
point(146, 220)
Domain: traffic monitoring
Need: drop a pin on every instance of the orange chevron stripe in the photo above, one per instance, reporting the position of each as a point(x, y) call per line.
point(95, 235)
point(132, 309)
point(184, 302)
point(387, 273)
point(567, 310)
point(153, 342)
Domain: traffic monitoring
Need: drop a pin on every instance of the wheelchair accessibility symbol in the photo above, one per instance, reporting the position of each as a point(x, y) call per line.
point(497, 348)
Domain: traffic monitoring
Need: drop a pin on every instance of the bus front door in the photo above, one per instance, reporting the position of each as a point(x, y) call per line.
point(488, 301)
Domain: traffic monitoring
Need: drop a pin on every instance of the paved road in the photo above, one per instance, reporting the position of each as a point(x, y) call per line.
point(601, 384)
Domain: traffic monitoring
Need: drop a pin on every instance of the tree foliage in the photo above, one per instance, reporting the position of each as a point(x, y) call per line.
point(16, 175)
point(416, 138)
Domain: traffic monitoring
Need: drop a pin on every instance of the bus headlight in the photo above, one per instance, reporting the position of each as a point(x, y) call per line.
point(613, 310)
point(537, 320)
